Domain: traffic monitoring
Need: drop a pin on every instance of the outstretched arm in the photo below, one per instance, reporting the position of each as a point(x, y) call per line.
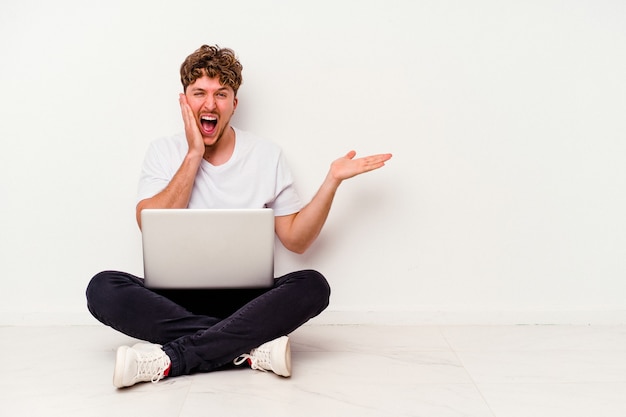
point(298, 231)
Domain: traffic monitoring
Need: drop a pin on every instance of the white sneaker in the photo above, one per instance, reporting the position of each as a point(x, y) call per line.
point(141, 363)
point(272, 356)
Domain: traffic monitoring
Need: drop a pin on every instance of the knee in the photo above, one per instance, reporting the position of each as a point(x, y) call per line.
point(97, 289)
point(97, 284)
point(101, 290)
point(317, 287)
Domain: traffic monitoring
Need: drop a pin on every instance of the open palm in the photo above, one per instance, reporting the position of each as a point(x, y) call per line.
point(348, 167)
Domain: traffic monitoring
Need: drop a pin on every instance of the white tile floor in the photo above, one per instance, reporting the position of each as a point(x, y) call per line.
point(432, 371)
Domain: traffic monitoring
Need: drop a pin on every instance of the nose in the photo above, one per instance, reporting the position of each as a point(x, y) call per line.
point(209, 103)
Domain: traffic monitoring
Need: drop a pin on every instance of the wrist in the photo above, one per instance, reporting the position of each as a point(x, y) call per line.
point(332, 182)
point(194, 156)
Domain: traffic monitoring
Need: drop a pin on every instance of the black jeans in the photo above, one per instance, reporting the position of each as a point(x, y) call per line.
point(204, 330)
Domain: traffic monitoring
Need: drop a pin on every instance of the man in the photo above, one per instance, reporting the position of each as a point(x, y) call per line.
point(214, 165)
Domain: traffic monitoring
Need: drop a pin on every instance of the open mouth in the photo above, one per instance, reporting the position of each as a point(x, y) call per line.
point(208, 124)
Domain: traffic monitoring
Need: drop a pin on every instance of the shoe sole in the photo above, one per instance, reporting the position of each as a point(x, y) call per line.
point(120, 365)
point(283, 364)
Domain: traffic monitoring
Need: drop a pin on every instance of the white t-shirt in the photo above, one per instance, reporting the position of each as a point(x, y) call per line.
point(256, 175)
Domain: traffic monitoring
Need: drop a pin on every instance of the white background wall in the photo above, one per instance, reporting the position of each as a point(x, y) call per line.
point(505, 199)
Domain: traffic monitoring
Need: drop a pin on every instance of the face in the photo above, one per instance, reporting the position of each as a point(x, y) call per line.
point(213, 104)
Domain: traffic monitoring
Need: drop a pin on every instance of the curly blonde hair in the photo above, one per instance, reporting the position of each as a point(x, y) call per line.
point(212, 61)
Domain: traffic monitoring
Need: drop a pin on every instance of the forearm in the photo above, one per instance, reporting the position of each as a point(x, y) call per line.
point(178, 192)
point(307, 224)
point(298, 231)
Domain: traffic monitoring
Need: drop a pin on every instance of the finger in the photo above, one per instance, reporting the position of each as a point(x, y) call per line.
point(374, 162)
point(183, 105)
point(380, 157)
point(182, 100)
point(375, 159)
point(188, 117)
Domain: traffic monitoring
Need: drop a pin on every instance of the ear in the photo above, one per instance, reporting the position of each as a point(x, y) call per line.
point(235, 101)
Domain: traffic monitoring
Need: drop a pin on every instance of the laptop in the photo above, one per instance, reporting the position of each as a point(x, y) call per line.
point(208, 248)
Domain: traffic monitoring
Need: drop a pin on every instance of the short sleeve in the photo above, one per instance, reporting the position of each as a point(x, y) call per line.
point(156, 172)
point(287, 200)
